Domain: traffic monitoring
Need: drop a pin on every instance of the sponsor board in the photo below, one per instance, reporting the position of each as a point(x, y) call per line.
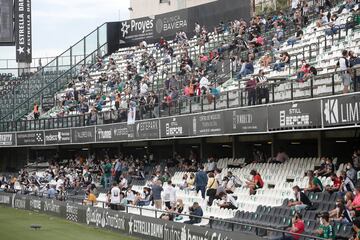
point(60, 136)
point(30, 138)
point(175, 126)
point(7, 139)
point(147, 129)
point(246, 120)
point(208, 124)
point(83, 135)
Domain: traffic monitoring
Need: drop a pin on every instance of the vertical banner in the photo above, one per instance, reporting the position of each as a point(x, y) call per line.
point(23, 31)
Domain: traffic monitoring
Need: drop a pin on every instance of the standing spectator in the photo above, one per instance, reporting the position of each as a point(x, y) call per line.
point(36, 111)
point(114, 197)
point(297, 226)
point(117, 168)
point(356, 159)
point(106, 167)
point(169, 195)
point(196, 213)
point(344, 65)
point(255, 183)
point(346, 184)
point(262, 87)
point(156, 189)
point(201, 180)
point(251, 90)
point(325, 229)
point(212, 185)
point(301, 200)
point(51, 192)
point(355, 65)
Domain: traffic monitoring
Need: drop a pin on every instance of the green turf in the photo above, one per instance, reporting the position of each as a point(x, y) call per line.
point(15, 225)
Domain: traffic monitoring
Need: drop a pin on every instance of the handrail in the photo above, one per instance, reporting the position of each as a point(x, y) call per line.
point(49, 84)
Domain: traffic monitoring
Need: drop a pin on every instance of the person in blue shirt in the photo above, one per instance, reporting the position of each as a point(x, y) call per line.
point(201, 180)
point(195, 210)
point(51, 193)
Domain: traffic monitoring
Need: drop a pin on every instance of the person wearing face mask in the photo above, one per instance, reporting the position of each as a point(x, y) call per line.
point(347, 184)
point(340, 214)
point(356, 202)
point(315, 184)
point(301, 200)
point(336, 184)
point(325, 229)
point(351, 172)
point(328, 168)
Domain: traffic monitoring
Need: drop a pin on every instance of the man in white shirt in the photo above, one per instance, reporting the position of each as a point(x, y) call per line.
point(204, 84)
point(143, 88)
point(228, 201)
point(114, 197)
point(169, 195)
point(343, 65)
point(123, 182)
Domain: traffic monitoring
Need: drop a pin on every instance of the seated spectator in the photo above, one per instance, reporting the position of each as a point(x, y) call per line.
point(356, 228)
point(228, 184)
point(301, 200)
point(336, 184)
point(298, 36)
point(254, 183)
point(328, 169)
point(191, 181)
point(303, 72)
point(325, 229)
point(51, 192)
point(346, 183)
point(227, 201)
point(297, 227)
point(90, 199)
point(284, 60)
point(340, 214)
point(281, 157)
point(315, 184)
point(196, 213)
point(351, 172)
point(213, 94)
point(355, 206)
point(143, 199)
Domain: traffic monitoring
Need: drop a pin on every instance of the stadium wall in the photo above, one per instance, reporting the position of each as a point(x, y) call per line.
point(131, 32)
point(133, 225)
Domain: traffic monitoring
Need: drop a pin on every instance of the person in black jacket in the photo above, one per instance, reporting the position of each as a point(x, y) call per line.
point(301, 200)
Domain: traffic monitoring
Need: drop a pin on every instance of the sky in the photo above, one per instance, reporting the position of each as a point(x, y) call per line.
point(58, 24)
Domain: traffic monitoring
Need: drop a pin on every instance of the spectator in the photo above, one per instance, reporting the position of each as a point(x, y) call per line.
point(281, 157)
point(227, 201)
point(169, 195)
point(255, 183)
point(297, 227)
point(251, 89)
point(328, 168)
point(91, 198)
point(325, 229)
point(344, 65)
point(196, 213)
point(156, 189)
point(106, 167)
point(114, 197)
point(336, 184)
point(354, 61)
point(351, 172)
point(346, 184)
point(298, 36)
point(212, 185)
point(36, 111)
point(340, 214)
point(356, 159)
point(356, 202)
point(301, 200)
point(228, 185)
point(51, 193)
point(262, 85)
point(284, 60)
point(201, 180)
point(315, 184)
point(356, 228)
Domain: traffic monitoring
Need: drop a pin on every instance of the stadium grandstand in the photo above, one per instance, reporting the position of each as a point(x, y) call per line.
point(194, 120)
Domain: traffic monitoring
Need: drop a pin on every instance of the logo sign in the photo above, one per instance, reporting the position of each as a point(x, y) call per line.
point(7, 139)
point(51, 206)
point(294, 115)
point(23, 30)
point(137, 29)
point(208, 124)
point(170, 23)
point(115, 132)
point(174, 127)
point(72, 212)
point(35, 204)
point(5, 199)
point(83, 135)
point(30, 138)
point(147, 129)
point(150, 229)
point(343, 110)
point(58, 136)
point(103, 218)
point(6, 18)
point(19, 203)
point(246, 120)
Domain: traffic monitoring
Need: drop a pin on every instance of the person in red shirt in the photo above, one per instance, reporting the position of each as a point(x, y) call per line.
point(255, 183)
point(336, 184)
point(297, 226)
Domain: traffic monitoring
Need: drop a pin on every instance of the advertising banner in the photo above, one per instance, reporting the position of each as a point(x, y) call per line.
point(294, 115)
point(342, 110)
point(83, 135)
point(7, 139)
point(138, 226)
point(246, 120)
point(176, 126)
point(30, 138)
point(115, 132)
point(147, 129)
point(60, 136)
point(6, 23)
point(23, 31)
point(208, 124)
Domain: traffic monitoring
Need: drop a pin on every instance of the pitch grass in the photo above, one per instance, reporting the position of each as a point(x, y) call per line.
point(15, 225)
